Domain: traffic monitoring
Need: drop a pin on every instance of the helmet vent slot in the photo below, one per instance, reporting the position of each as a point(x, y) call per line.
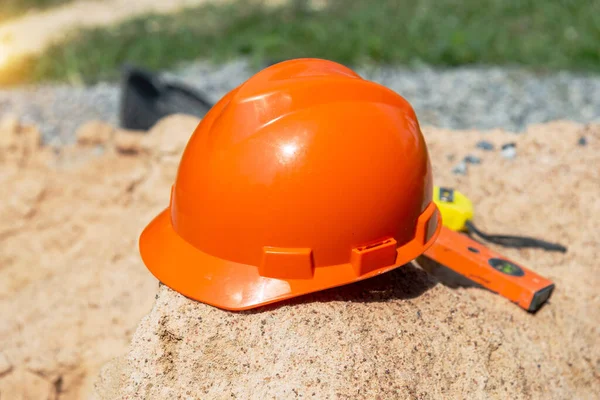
point(371, 246)
point(366, 259)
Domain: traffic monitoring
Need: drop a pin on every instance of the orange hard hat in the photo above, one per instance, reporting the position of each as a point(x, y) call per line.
point(303, 178)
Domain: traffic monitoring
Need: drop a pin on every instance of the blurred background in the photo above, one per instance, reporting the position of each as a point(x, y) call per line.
point(461, 63)
point(72, 285)
point(543, 35)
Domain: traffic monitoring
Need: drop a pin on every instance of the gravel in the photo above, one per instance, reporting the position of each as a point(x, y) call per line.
point(509, 150)
point(460, 168)
point(485, 145)
point(471, 159)
point(462, 98)
point(59, 110)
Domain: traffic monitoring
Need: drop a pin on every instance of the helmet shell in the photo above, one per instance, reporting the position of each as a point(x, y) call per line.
point(304, 177)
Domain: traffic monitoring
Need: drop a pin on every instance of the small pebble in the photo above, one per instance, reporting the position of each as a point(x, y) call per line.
point(509, 150)
point(485, 145)
point(582, 141)
point(460, 168)
point(472, 159)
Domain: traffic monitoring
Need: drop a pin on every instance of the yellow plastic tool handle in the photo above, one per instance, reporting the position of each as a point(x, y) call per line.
point(455, 207)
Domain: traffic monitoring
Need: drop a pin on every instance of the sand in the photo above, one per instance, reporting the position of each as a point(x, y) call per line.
point(72, 287)
point(73, 291)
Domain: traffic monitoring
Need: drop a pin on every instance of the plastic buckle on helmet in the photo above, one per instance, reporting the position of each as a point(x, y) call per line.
point(369, 258)
point(286, 263)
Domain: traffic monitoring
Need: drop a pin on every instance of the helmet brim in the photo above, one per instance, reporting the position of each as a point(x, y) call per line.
point(233, 286)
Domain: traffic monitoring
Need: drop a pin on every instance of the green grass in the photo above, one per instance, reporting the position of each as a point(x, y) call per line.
point(13, 8)
point(542, 35)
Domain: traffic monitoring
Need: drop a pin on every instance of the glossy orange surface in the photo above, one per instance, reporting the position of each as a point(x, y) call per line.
point(491, 270)
point(303, 178)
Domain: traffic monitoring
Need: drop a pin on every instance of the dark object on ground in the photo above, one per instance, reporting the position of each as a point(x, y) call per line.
point(485, 145)
point(582, 141)
point(147, 97)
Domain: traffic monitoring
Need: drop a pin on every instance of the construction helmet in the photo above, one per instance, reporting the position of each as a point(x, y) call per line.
point(303, 178)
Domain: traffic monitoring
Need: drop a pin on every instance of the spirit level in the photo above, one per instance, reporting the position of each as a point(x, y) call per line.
point(471, 259)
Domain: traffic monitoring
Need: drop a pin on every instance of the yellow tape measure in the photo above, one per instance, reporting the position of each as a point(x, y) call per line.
point(457, 215)
point(455, 207)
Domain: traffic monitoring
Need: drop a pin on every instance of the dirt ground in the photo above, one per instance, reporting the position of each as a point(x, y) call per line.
point(73, 288)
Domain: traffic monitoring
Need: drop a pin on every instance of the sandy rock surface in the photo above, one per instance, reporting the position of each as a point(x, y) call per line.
point(406, 334)
point(73, 288)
